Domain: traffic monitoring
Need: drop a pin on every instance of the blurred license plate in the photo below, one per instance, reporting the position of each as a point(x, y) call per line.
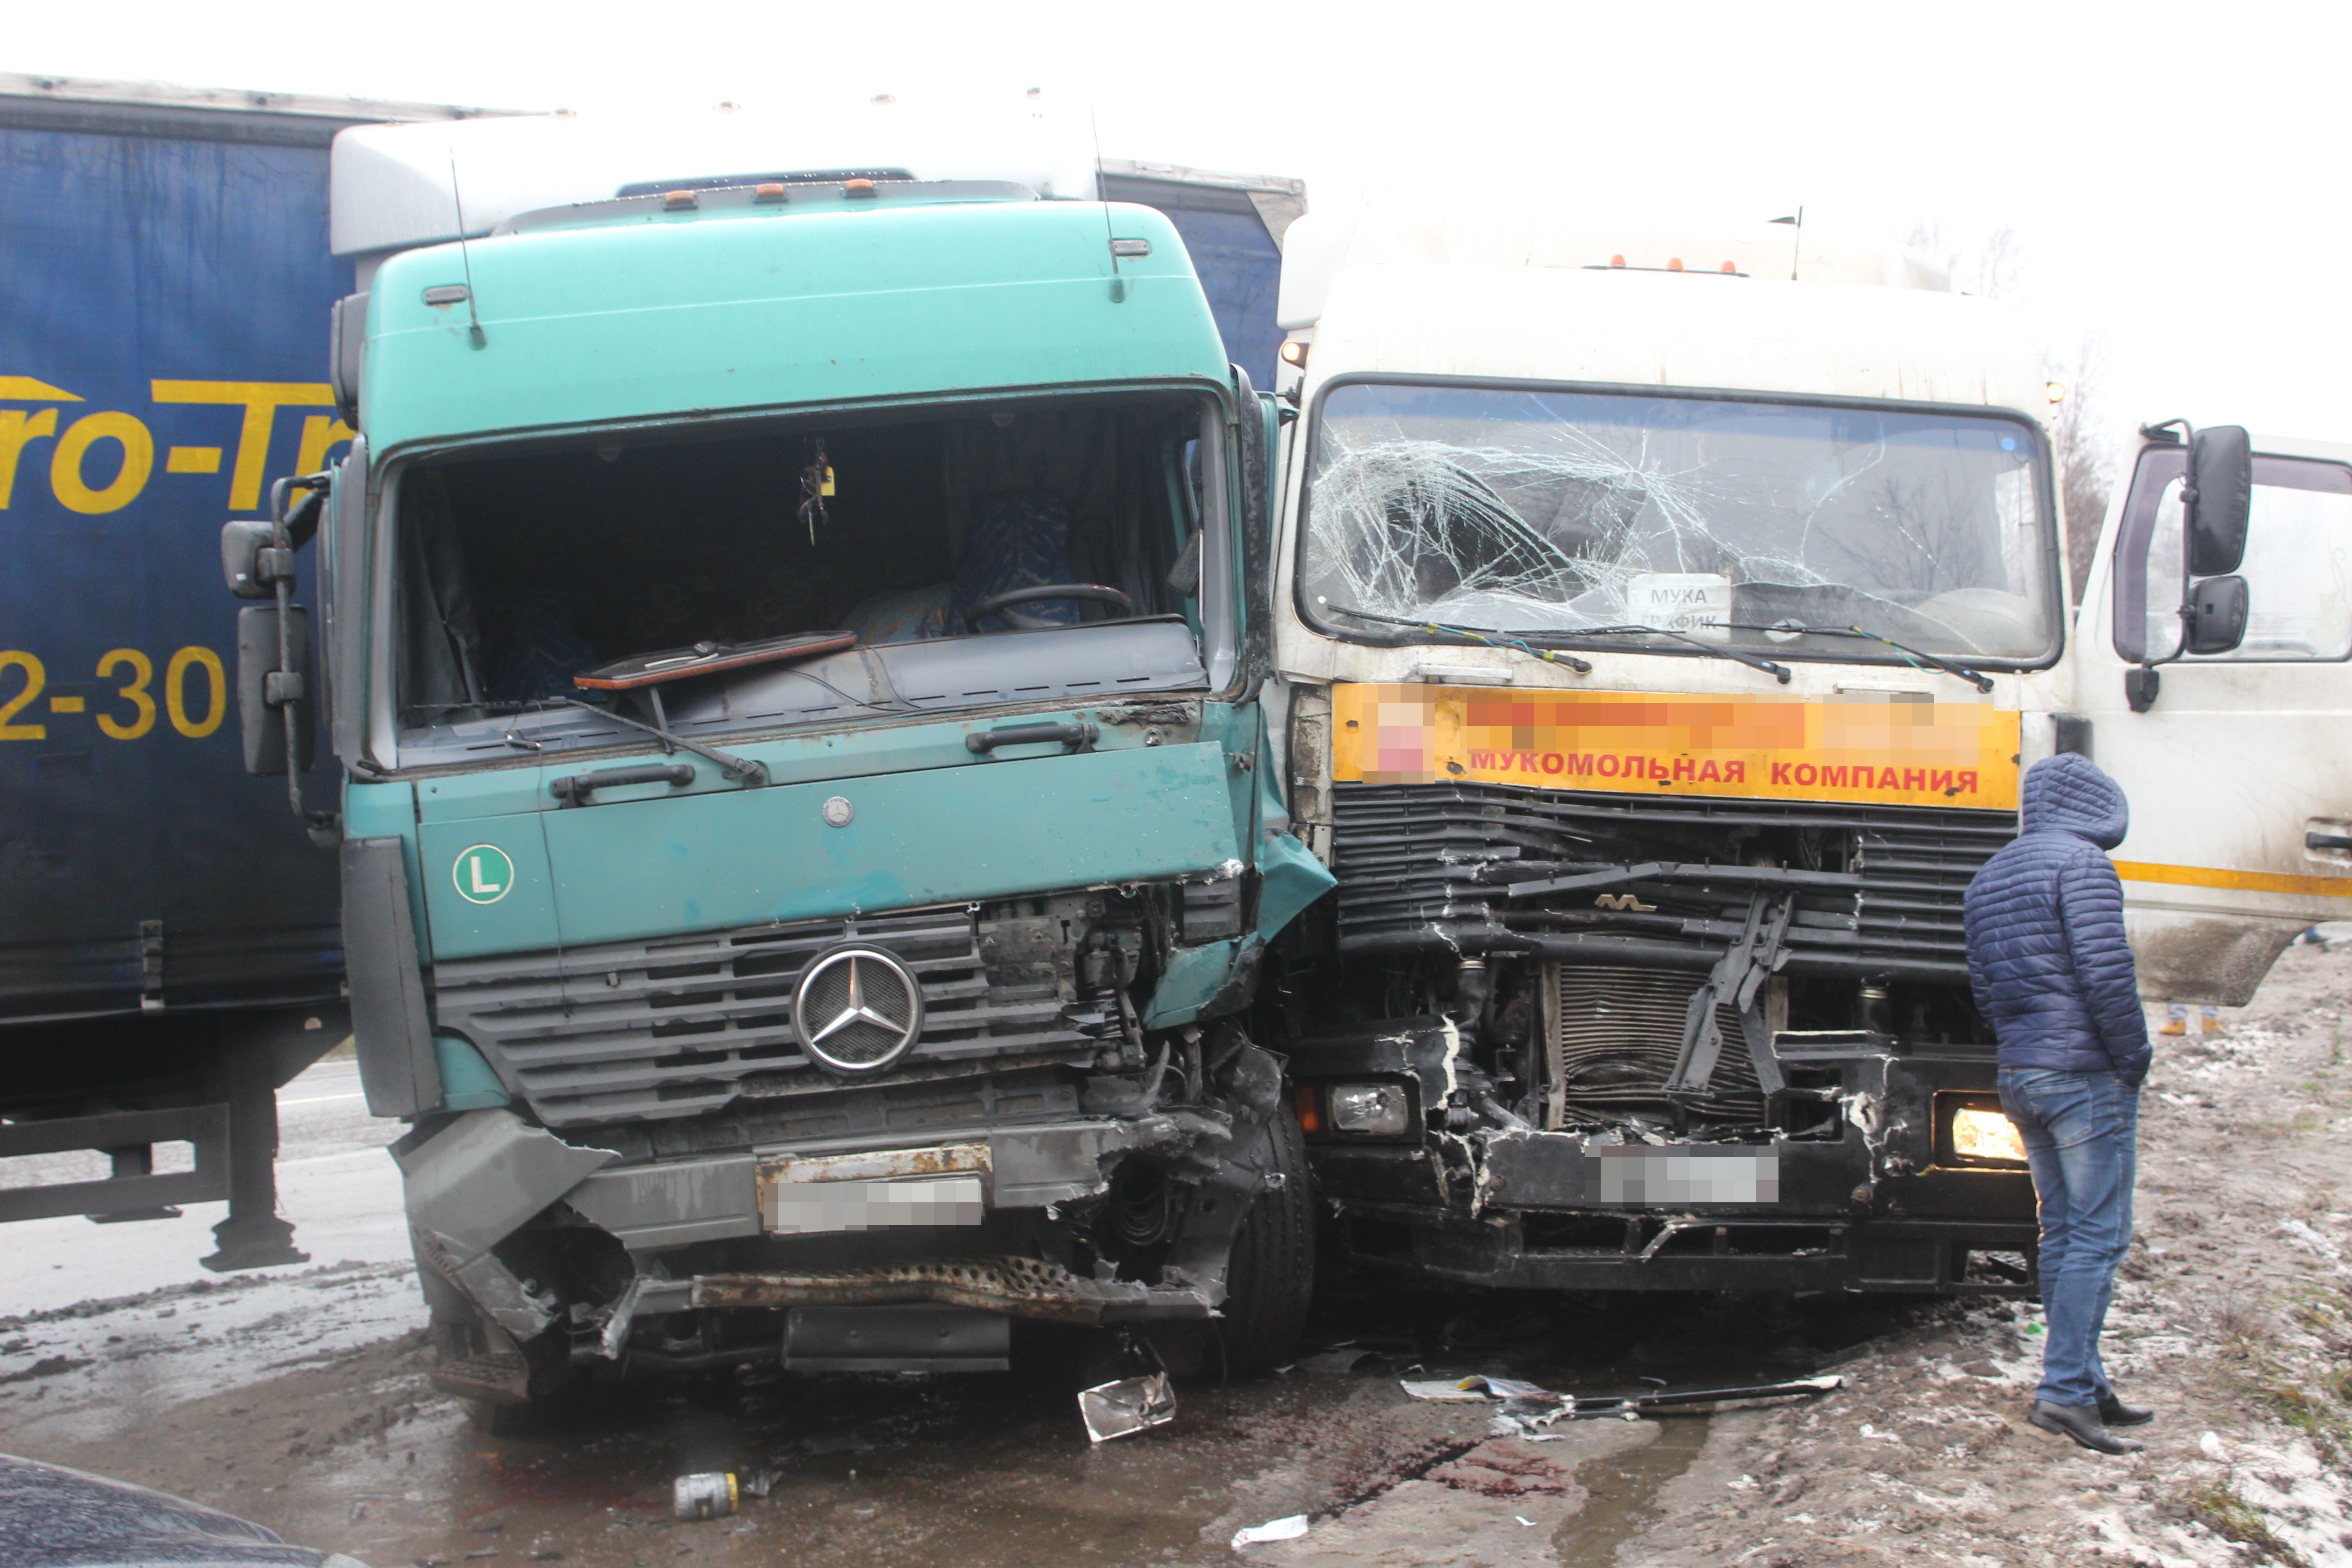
point(1675, 1176)
point(799, 1207)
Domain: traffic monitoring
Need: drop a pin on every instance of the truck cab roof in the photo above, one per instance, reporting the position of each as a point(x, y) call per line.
point(397, 186)
point(1626, 328)
point(867, 302)
point(1325, 245)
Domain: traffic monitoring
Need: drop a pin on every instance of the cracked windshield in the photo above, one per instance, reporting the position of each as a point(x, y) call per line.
point(1733, 523)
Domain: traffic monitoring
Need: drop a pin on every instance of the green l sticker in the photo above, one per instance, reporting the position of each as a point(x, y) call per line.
point(483, 874)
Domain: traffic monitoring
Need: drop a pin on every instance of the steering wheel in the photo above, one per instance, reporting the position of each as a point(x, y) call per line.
point(997, 603)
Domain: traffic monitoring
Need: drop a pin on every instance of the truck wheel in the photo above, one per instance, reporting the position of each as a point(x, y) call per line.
point(1270, 1282)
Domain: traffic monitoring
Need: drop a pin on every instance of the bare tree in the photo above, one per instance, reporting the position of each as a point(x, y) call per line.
point(1994, 267)
point(2086, 455)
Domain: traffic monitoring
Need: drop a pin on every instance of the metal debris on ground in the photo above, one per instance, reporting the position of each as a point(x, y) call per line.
point(1474, 1390)
point(1289, 1529)
point(759, 1483)
point(707, 1494)
point(1526, 1406)
point(1127, 1405)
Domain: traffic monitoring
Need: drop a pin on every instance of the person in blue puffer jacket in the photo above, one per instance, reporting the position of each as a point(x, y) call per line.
point(2051, 972)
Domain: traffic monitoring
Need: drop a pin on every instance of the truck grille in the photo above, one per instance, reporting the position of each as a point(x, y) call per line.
point(1616, 1035)
point(1432, 866)
point(683, 1026)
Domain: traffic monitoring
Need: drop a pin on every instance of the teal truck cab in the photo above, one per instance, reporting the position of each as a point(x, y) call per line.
point(789, 643)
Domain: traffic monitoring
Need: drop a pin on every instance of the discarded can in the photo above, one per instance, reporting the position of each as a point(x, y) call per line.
point(710, 1494)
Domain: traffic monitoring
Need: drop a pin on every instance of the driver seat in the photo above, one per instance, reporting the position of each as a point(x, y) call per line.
point(1018, 542)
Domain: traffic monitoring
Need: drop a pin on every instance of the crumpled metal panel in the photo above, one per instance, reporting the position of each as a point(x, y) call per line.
point(475, 1183)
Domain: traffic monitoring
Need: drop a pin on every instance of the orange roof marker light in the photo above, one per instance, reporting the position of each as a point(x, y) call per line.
point(1727, 266)
point(851, 189)
point(1673, 264)
point(768, 191)
point(680, 201)
point(1617, 261)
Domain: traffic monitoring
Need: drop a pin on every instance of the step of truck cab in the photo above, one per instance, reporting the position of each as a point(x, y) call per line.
point(500, 1379)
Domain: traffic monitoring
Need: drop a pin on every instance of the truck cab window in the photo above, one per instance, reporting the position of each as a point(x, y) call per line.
point(1741, 521)
point(523, 570)
point(2297, 568)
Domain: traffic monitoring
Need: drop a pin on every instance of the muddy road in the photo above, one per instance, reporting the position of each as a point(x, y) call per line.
point(299, 1397)
point(352, 1448)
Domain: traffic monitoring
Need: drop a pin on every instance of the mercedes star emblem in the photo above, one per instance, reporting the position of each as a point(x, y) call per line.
point(858, 1009)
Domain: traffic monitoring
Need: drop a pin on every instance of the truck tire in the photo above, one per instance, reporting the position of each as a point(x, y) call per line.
point(1270, 1282)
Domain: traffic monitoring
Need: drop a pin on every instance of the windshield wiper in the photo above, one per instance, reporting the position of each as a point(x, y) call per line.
point(752, 774)
point(1542, 645)
point(1918, 658)
point(1778, 672)
point(1480, 637)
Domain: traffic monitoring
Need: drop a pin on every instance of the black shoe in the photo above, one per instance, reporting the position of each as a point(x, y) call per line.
point(2081, 1422)
point(2114, 1412)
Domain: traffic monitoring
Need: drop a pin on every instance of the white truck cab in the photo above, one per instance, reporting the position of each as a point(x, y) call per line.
point(1665, 623)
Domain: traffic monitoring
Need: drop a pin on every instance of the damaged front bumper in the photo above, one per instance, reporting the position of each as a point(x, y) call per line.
point(1867, 1198)
point(574, 1254)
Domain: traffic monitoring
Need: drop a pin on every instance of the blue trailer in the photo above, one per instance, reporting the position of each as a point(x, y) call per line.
point(170, 944)
point(170, 940)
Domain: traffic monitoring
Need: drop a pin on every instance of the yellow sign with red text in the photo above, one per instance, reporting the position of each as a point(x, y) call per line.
point(1884, 748)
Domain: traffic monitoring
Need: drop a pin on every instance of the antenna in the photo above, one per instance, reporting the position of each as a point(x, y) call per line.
point(1110, 243)
point(465, 257)
point(1797, 246)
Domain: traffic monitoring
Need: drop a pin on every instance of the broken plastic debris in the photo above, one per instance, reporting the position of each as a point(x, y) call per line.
point(2211, 1446)
point(1478, 1390)
point(707, 1494)
point(1128, 1405)
point(759, 1483)
point(1289, 1529)
point(1527, 1406)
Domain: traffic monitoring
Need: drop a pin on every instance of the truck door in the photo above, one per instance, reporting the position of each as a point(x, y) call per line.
point(2238, 763)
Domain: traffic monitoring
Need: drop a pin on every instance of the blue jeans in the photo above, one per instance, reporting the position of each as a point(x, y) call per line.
point(2082, 1135)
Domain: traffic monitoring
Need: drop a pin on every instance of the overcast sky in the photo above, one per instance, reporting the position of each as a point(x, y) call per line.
point(2171, 173)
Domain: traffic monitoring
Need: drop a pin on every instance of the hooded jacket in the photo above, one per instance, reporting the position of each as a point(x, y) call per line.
point(2047, 958)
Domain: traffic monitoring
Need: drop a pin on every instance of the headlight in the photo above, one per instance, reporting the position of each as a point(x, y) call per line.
point(1374, 1110)
point(1976, 1133)
point(1985, 1135)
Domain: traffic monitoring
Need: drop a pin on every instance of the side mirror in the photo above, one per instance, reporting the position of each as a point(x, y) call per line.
point(250, 564)
point(346, 345)
point(2222, 469)
point(2217, 612)
point(266, 689)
